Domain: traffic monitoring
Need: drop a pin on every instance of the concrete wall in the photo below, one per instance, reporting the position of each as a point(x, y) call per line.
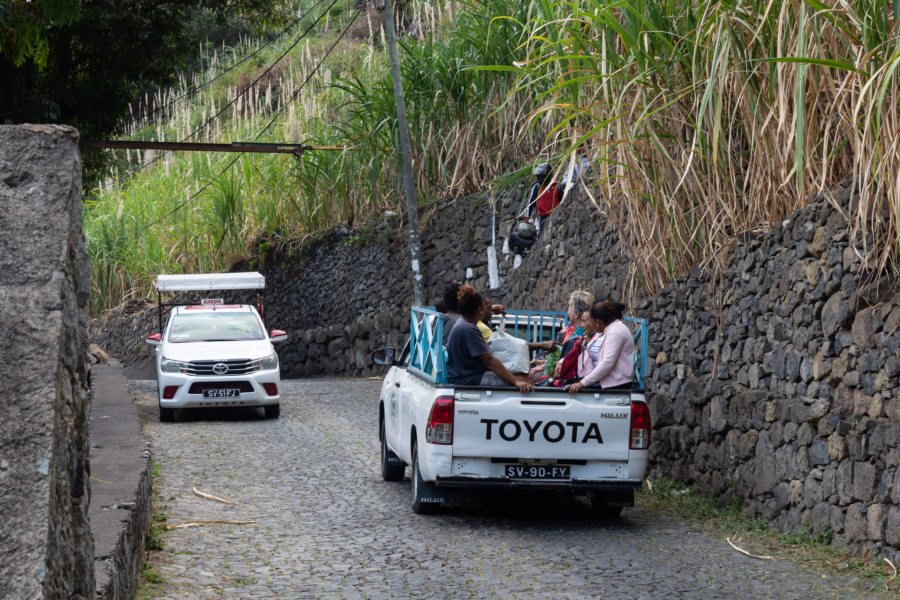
point(774, 380)
point(46, 548)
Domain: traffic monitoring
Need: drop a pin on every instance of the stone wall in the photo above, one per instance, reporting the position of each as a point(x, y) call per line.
point(773, 379)
point(347, 295)
point(46, 549)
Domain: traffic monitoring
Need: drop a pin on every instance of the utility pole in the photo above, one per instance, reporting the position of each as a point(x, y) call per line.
point(409, 185)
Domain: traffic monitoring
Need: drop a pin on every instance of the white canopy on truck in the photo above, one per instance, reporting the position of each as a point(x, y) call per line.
point(210, 281)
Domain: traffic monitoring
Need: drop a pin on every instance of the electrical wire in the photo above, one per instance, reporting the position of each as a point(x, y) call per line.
point(264, 129)
point(240, 94)
point(194, 90)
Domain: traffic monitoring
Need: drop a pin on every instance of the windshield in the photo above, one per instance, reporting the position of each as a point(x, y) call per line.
point(215, 327)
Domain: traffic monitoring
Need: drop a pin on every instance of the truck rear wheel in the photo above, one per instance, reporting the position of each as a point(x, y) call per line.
point(425, 498)
point(392, 468)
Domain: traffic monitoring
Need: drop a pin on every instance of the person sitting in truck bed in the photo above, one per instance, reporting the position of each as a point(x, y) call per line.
point(579, 302)
point(608, 361)
point(470, 361)
point(566, 370)
point(451, 309)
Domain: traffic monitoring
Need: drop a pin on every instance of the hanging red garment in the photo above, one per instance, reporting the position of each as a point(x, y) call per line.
point(569, 366)
point(548, 199)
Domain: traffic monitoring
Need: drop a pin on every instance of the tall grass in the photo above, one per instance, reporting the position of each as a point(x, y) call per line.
point(711, 118)
point(461, 143)
point(704, 120)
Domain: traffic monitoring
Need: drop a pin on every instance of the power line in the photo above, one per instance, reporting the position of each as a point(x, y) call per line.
point(264, 129)
point(194, 90)
point(240, 94)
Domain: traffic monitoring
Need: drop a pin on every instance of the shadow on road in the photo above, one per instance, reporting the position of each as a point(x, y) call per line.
point(535, 509)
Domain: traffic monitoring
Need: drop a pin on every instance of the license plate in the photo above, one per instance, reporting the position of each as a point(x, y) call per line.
point(537, 471)
point(221, 393)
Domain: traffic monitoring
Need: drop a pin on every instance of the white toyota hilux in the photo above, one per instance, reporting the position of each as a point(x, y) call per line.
point(213, 353)
point(594, 443)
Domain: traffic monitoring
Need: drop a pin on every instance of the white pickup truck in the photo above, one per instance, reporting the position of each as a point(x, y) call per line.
point(594, 443)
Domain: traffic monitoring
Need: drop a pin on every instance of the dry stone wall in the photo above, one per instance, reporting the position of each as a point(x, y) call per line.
point(347, 295)
point(46, 549)
point(773, 380)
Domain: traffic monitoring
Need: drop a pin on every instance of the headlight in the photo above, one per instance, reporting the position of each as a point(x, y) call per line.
point(173, 366)
point(268, 363)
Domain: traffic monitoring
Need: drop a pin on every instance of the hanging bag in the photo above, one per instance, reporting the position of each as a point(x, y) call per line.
point(510, 350)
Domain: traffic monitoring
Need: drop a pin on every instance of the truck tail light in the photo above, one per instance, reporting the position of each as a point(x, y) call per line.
point(439, 429)
point(169, 392)
point(640, 426)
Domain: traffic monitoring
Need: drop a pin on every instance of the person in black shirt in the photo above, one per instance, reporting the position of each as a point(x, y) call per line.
point(470, 361)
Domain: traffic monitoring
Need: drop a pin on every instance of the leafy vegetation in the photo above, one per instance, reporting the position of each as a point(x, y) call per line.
point(702, 120)
point(150, 580)
point(83, 62)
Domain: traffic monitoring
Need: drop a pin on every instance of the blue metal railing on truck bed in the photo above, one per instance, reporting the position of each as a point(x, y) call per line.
point(426, 344)
point(428, 358)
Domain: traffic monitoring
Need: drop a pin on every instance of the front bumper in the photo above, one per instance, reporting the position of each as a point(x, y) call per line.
point(189, 391)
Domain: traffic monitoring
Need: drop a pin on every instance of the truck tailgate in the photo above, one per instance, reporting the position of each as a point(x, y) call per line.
point(504, 424)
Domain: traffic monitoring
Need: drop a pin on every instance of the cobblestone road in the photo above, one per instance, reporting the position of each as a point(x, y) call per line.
point(329, 527)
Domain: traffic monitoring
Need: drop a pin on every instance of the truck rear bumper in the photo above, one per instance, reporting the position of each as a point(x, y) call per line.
point(581, 485)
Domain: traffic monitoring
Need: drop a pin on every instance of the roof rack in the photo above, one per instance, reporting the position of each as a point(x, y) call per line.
point(206, 282)
point(203, 282)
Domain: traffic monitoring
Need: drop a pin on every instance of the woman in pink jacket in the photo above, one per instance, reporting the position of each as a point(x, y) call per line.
point(608, 357)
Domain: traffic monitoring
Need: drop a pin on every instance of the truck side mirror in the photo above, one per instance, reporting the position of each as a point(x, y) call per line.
point(277, 335)
point(384, 356)
point(154, 339)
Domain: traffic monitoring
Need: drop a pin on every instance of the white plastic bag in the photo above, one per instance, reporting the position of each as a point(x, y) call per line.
point(510, 350)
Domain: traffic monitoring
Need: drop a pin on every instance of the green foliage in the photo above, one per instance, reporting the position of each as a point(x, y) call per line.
point(726, 520)
point(83, 63)
point(552, 359)
point(806, 537)
point(25, 27)
point(701, 121)
point(711, 118)
point(150, 575)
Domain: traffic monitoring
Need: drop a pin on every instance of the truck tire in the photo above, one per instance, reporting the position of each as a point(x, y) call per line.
point(392, 468)
point(273, 411)
point(166, 415)
point(425, 499)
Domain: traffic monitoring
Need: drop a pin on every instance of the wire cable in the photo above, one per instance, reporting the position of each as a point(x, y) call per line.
point(194, 90)
point(240, 94)
point(264, 129)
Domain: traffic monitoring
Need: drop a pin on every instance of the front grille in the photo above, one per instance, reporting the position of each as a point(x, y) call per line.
point(199, 386)
point(240, 366)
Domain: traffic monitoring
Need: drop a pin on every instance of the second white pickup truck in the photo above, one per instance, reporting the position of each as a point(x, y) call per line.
point(594, 443)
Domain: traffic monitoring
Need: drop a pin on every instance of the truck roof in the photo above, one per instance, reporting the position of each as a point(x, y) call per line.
point(201, 282)
point(212, 308)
